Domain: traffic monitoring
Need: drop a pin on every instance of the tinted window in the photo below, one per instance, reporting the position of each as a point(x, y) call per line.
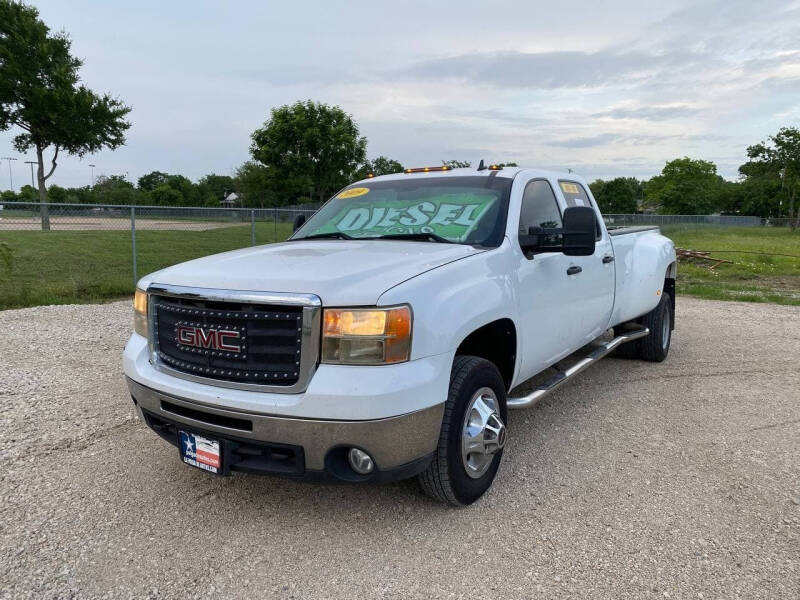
point(539, 207)
point(575, 195)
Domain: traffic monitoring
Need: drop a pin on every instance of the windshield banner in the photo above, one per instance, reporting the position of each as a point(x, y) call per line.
point(450, 216)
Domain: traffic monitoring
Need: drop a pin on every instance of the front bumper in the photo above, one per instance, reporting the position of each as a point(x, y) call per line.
point(401, 446)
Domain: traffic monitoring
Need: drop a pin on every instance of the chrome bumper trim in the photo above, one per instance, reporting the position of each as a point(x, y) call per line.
point(392, 442)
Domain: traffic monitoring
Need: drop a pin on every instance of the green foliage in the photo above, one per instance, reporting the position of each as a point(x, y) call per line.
point(380, 166)
point(182, 192)
point(685, 187)
point(114, 189)
point(152, 180)
point(616, 196)
point(27, 193)
point(259, 187)
point(457, 164)
point(215, 187)
point(757, 195)
point(57, 194)
point(314, 147)
point(776, 164)
point(41, 94)
point(166, 195)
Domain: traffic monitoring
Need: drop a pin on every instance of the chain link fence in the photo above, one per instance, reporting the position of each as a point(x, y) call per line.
point(666, 220)
point(80, 252)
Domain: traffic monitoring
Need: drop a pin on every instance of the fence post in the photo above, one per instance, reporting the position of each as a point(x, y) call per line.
point(133, 243)
point(252, 228)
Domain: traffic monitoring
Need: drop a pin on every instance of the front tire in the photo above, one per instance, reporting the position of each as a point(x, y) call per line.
point(473, 434)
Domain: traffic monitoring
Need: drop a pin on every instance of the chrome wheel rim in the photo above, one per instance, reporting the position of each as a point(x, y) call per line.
point(483, 433)
point(665, 332)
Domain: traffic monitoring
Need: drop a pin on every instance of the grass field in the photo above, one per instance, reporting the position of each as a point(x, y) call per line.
point(61, 267)
point(758, 274)
point(64, 267)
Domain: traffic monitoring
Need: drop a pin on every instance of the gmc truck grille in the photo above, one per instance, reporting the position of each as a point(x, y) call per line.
point(235, 342)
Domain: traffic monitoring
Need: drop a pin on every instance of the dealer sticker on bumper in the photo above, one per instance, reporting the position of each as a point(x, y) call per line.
point(200, 452)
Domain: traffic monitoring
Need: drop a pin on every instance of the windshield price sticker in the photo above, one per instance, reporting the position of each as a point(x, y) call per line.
point(353, 192)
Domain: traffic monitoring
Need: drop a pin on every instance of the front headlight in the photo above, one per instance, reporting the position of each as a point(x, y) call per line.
point(366, 336)
point(140, 312)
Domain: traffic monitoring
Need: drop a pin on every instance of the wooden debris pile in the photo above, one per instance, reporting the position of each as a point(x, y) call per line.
point(699, 255)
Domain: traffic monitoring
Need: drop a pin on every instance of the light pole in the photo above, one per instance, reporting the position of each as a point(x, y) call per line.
point(31, 163)
point(10, 176)
point(92, 167)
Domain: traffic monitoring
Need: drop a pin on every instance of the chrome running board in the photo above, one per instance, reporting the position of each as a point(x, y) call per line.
point(598, 352)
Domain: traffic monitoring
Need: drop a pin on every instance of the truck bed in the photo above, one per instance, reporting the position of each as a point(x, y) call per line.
point(625, 229)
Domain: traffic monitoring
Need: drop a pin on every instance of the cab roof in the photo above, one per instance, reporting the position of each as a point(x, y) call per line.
point(505, 172)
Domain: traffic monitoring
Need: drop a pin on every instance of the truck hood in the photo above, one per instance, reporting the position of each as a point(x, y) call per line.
point(340, 272)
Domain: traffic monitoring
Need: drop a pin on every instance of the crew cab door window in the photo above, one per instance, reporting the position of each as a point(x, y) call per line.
point(575, 195)
point(539, 208)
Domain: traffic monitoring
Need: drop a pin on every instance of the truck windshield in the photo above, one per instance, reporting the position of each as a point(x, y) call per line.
point(462, 210)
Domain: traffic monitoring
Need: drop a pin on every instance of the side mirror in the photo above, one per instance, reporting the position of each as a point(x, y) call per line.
point(579, 231)
point(298, 222)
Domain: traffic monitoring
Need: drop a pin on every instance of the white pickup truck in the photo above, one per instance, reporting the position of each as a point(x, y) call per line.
point(382, 339)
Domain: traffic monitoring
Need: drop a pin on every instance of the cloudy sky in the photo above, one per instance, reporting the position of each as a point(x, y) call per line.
point(611, 88)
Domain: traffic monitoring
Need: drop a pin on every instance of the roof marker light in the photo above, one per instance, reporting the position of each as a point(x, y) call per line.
point(427, 169)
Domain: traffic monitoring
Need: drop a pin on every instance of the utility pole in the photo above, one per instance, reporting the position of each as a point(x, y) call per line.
point(92, 167)
point(10, 176)
point(31, 163)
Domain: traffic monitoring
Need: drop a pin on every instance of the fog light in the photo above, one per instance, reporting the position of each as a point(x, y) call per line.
point(360, 461)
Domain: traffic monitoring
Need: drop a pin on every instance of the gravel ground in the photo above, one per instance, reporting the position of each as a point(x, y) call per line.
point(679, 479)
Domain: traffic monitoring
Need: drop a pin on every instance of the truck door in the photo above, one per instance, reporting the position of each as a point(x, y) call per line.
point(546, 299)
point(594, 280)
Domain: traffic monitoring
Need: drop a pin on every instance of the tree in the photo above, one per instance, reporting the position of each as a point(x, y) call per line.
point(616, 196)
point(254, 184)
point(380, 166)
point(58, 194)
point(166, 195)
point(457, 164)
point(685, 187)
point(778, 159)
point(114, 189)
point(26, 194)
point(757, 195)
point(310, 143)
point(216, 186)
point(152, 180)
point(40, 92)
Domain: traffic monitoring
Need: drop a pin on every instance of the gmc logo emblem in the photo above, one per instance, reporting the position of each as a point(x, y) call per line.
point(225, 340)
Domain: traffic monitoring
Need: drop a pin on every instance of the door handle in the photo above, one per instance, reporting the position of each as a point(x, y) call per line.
point(574, 270)
point(608, 259)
